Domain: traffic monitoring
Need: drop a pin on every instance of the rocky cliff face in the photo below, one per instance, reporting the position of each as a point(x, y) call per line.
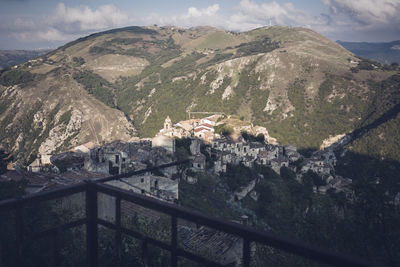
point(302, 87)
point(53, 113)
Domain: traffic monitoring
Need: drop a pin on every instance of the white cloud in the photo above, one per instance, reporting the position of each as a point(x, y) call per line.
point(251, 14)
point(192, 17)
point(368, 20)
point(23, 24)
point(49, 34)
point(247, 15)
point(86, 19)
point(209, 11)
point(66, 24)
point(367, 11)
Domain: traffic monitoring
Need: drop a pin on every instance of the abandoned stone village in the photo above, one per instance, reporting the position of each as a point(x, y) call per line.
point(90, 161)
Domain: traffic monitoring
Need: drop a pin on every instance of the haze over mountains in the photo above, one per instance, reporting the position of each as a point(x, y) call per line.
point(122, 83)
point(13, 57)
point(388, 52)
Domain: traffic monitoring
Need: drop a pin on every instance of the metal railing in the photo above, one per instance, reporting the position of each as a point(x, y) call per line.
point(92, 188)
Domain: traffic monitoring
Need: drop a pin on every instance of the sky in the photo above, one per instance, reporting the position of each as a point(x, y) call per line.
point(34, 24)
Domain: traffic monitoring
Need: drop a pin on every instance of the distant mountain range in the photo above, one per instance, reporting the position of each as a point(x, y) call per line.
point(123, 83)
point(382, 52)
point(14, 57)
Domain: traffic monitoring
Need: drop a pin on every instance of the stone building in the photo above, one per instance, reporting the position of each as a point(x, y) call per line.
point(263, 157)
point(291, 153)
point(195, 146)
point(166, 142)
point(159, 187)
point(172, 130)
point(199, 162)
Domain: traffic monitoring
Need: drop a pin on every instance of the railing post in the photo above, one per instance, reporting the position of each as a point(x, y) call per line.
point(145, 252)
point(19, 231)
point(246, 252)
point(1, 255)
point(174, 241)
point(56, 254)
point(118, 238)
point(91, 225)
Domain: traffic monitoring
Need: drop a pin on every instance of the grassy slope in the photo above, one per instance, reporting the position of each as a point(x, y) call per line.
point(305, 77)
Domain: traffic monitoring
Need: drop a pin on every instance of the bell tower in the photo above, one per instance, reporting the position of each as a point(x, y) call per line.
point(167, 124)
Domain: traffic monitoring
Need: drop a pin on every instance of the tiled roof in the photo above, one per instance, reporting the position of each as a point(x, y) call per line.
point(200, 128)
point(207, 125)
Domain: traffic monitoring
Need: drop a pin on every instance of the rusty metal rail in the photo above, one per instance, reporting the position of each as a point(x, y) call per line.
point(92, 188)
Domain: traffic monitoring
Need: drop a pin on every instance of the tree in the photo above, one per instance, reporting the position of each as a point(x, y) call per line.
point(223, 129)
point(237, 176)
point(245, 135)
point(287, 173)
point(181, 153)
point(314, 178)
point(308, 183)
point(260, 138)
point(5, 158)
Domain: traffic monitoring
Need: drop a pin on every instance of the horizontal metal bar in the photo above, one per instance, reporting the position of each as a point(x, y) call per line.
point(129, 174)
point(136, 235)
point(43, 196)
point(286, 244)
point(251, 234)
point(144, 201)
point(161, 244)
point(57, 228)
point(76, 188)
point(8, 204)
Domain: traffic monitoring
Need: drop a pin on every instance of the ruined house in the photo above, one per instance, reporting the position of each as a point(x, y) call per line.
point(166, 142)
point(263, 157)
point(291, 153)
point(158, 187)
point(199, 162)
point(255, 149)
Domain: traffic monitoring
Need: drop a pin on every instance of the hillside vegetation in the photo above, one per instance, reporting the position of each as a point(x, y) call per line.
point(298, 84)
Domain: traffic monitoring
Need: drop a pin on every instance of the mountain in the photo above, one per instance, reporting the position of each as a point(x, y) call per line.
point(122, 83)
point(14, 57)
point(386, 53)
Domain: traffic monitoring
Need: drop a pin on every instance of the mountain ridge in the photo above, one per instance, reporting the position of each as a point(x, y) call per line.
point(298, 84)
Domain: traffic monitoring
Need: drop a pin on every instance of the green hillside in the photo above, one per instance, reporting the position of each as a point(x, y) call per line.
point(298, 84)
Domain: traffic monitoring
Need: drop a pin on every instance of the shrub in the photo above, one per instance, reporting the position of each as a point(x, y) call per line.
point(65, 118)
point(223, 129)
point(78, 61)
point(13, 77)
point(96, 85)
